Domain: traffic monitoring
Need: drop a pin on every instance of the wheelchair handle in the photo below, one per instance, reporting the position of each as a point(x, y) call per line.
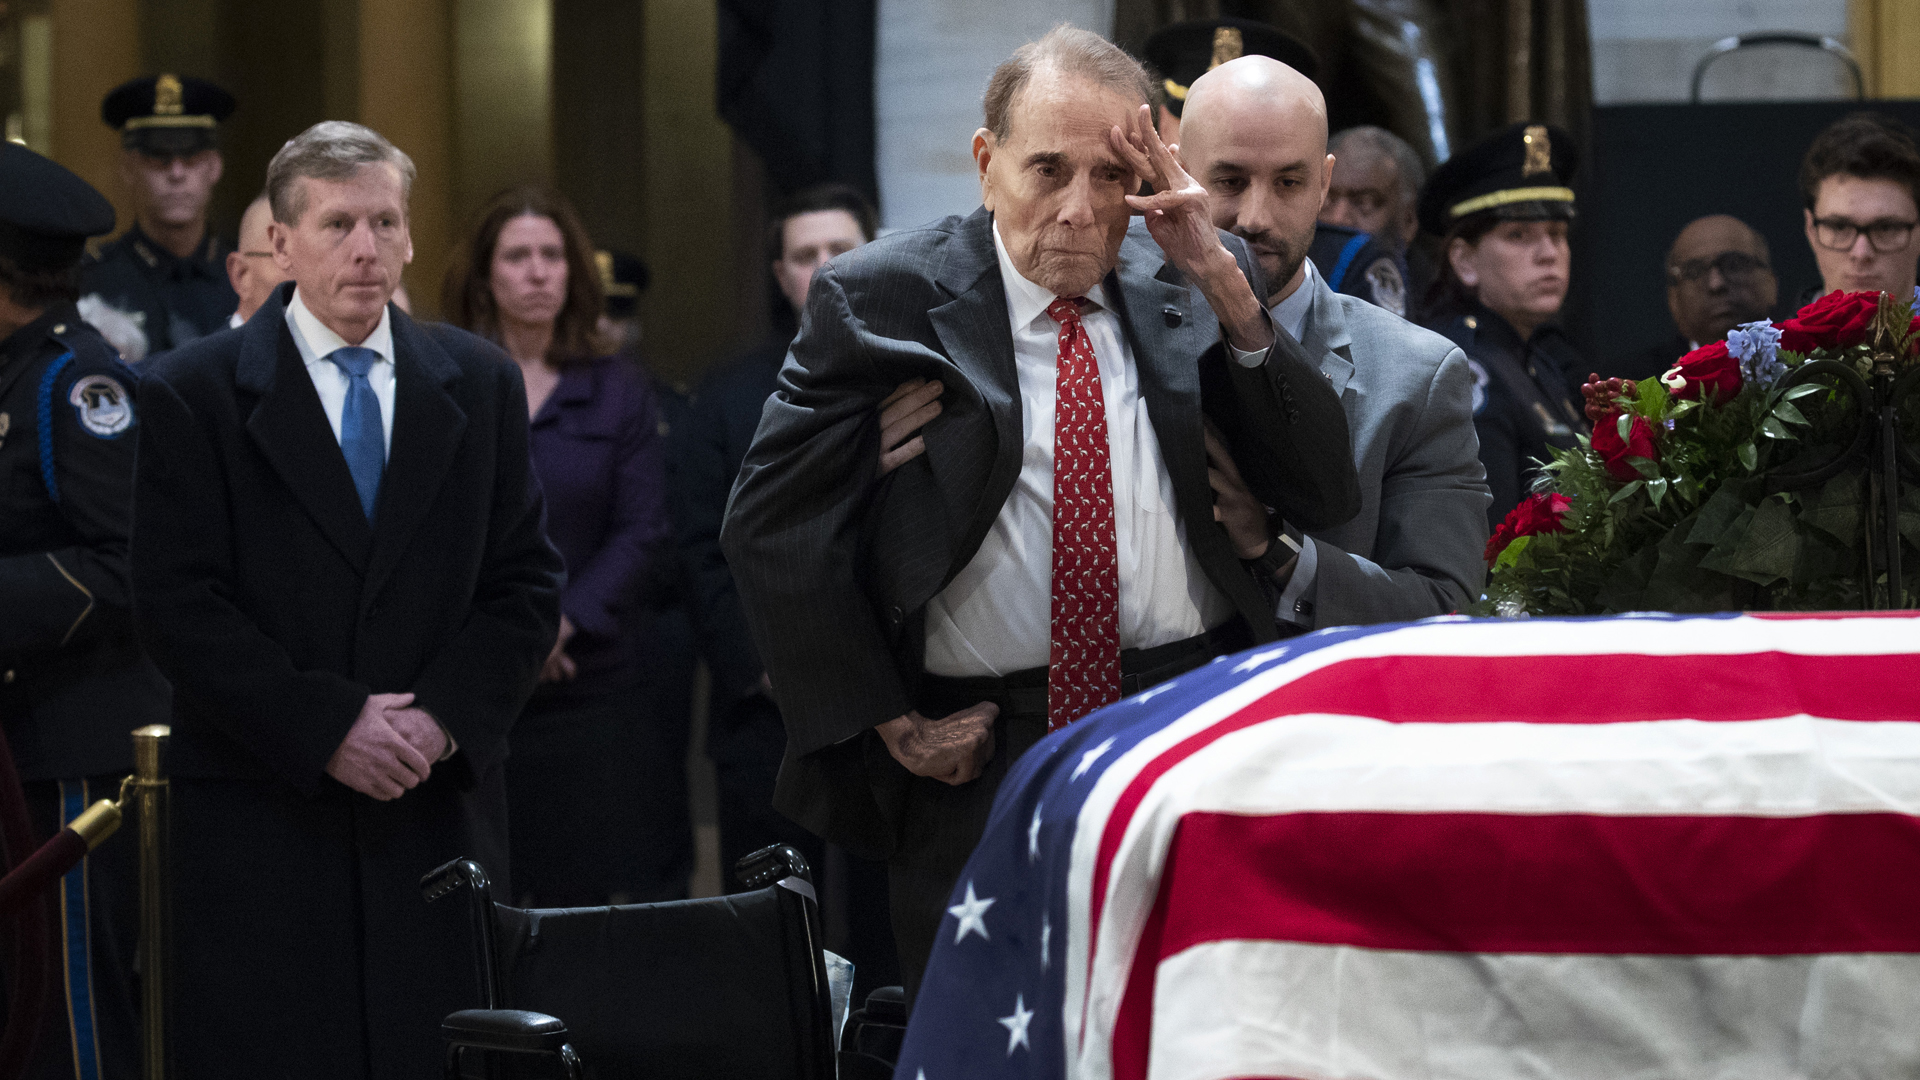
point(446, 880)
point(770, 865)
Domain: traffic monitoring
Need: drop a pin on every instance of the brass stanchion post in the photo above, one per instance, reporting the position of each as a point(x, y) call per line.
point(150, 791)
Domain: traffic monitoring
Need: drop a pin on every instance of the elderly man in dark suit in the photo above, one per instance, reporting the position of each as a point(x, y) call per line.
point(338, 561)
point(1057, 544)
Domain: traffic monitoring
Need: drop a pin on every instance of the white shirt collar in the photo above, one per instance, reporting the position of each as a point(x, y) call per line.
point(1027, 301)
point(1292, 312)
point(316, 341)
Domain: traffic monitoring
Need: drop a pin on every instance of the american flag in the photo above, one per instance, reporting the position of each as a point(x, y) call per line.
point(1635, 847)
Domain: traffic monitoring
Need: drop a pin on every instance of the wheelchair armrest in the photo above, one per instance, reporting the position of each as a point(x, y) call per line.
point(511, 1030)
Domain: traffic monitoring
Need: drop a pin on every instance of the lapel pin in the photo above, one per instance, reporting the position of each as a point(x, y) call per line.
point(1172, 315)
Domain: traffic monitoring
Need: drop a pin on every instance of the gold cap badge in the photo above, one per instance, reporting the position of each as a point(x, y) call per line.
point(1227, 45)
point(1539, 151)
point(166, 96)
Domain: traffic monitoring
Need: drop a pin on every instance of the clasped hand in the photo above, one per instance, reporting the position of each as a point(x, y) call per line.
point(952, 749)
point(390, 749)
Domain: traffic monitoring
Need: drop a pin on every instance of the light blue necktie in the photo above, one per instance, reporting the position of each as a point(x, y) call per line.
point(362, 438)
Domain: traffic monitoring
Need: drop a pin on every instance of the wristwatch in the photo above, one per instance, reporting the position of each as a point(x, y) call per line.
point(1283, 546)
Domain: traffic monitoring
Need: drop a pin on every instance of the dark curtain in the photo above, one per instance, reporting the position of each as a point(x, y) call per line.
point(795, 81)
point(1434, 72)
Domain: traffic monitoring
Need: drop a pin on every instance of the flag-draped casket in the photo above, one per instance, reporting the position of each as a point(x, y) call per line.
point(1636, 847)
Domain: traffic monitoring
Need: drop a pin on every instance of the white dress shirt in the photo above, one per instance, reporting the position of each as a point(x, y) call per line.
point(315, 341)
point(995, 617)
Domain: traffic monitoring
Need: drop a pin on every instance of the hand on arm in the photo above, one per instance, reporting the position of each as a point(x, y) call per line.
point(952, 749)
point(911, 406)
point(1177, 216)
point(375, 759)
point(1236, 507)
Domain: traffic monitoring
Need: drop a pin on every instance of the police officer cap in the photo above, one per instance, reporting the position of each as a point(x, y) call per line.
point(623, 278)
point(1185, 51)
point(165, 115)
point(1522, 173)
point(46, 212)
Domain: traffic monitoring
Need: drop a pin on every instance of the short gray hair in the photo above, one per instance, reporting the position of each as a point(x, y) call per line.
point(1067, 50)
point(1406, 160)
point(329, 150)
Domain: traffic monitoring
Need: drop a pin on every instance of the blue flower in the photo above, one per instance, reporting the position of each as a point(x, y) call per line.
point(1757, 346)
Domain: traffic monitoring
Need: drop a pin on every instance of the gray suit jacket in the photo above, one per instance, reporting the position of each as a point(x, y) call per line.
point(1414, 549)
point(835, 565)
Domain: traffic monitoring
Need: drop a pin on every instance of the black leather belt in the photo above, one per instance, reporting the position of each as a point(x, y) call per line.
point(1024, 693)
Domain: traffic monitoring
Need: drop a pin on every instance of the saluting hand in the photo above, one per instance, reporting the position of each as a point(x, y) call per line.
point(1177, 215)
point(374, 759)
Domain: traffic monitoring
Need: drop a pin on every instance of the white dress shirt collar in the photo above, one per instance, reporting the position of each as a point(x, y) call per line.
point(1026, 300)
point(316, 340)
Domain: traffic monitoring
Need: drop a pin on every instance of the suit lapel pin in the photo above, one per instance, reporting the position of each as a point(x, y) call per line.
point(1173, 316)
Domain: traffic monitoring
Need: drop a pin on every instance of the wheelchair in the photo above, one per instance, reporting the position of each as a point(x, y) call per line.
point(727, 986)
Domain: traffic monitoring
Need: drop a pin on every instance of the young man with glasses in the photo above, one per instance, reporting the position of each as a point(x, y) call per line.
point(1719, 275)
point(1861, 179)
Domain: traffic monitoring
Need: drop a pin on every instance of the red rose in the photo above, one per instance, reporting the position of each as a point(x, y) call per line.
point(1614, 451)
point(1535, 514)
point(1707, 366)
point(1834, 321)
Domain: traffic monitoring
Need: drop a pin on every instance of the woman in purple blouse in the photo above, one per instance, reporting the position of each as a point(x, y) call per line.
point(526, 280)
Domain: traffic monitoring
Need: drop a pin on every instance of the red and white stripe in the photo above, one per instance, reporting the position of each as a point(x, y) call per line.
point(1614, 848)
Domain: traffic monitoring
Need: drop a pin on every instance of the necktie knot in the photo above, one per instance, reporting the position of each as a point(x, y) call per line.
point(1066, 309)
point(354, 360)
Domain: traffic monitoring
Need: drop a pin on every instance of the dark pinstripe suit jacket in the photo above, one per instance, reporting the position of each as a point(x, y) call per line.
point(835, 565)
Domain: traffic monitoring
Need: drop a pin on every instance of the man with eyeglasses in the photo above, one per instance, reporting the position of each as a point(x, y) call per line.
point(1861, 179)
point(1719, 275)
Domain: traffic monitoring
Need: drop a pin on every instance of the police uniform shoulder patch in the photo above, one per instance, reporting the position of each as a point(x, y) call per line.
point(1480, 381)
point(103, 405)
point(1389, 288)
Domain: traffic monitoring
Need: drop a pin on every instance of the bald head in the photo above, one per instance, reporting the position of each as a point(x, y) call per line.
point(1254, 131)
point(1719, 275)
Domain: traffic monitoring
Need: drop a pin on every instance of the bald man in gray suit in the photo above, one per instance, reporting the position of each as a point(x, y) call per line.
point(1254, 132)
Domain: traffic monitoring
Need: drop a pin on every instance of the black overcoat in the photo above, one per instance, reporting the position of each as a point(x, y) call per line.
point(275, 608)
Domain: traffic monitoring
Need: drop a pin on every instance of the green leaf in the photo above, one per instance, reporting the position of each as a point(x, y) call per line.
point(1625, 426)
point(1797, 392)
point(1657, 489)
point(1512, 552)
point(1774, 429)
point(1770, 546)
point(1749, 457)
point(1719, 514)
point(1626, 491)
point(1836, 509)
point(1786, 411)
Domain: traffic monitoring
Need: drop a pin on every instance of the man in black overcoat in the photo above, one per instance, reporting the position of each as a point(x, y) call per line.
point(921, 630)
point(339, 562)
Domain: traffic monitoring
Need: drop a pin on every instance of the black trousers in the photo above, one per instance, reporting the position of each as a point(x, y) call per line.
point(596, 798)
point(91, 1026)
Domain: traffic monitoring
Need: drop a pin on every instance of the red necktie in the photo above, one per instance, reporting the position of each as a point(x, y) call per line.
point(1083, 664)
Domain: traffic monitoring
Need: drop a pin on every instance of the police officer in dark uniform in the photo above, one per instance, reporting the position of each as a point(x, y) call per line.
point(1503, 207)
point(167, 272)
point(1350, 261)
point(74, 682)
